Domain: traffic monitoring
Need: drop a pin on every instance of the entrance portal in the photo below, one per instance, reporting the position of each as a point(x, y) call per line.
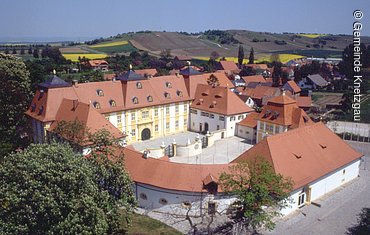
point(145, 134)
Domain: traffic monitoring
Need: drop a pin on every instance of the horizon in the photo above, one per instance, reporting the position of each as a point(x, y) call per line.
point(94, 19)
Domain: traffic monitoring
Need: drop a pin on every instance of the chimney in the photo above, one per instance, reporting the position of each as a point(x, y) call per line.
point(75, 83)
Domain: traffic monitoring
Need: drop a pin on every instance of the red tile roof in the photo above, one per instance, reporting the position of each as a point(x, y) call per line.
point(294, 86)
point(254, 78)
point(304, 101)
point(71, 110)
point(257, 66)
point(218, 100)
point(250, 120)
point(304, 154)
point(94, 63)
point(228, 65)
point(170, 175)
point(283, 110)
point(147, 72)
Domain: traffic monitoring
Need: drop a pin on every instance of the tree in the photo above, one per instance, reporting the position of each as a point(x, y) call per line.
point(49, 189)
point(36, 53)
point(214, 55)
point(240, 55)
point(213, 81)
point(260, 191)
point(14, 51)
point(251, 57)
point(276, 74)
point(15, 96)
point(166, 55)
point(275, 58)
point(30, 50)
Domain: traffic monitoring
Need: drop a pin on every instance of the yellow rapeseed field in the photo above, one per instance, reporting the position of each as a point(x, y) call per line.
point(311, 35)
point(283, 58)
point(109, 44)
point(74, 57)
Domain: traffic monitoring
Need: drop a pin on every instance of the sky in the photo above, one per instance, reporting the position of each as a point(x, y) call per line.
point(99, 18)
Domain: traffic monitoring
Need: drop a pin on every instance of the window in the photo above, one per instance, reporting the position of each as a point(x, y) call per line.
point(96, 105)
point(168, 85)
point(156, 112)
point(112, 103)
point(193, 111)
point(167, 125)
point(41, 109)
point(167, 110)
point(33, 107)
point(144, 114)
point(344, 171)
point(177, 124)
point(211, 208)
point(211, 115)
point(139, 85)
point(232, 118)
point(133, 117)
point(276, 129)
point(221, 118)
point(41, 94)
point(135, 100)
point(149, 98)
point(119, 119)
point(269, 128)
point(185, 121)
point(179, 93)
point(218, 127)
point(186, 204)
point(301, 199)
point(176, 108)
point(107, 118)
point(133, 132)
point(167, 95)
point(205, 114)
point(262, 125)
point(163, 201)
point(143, 196)
point(100, 92)
point(156, 128)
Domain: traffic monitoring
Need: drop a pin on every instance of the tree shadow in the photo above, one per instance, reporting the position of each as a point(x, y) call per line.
point(363, 226)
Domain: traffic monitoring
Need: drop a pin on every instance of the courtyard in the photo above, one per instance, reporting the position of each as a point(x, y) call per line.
point(223, 151)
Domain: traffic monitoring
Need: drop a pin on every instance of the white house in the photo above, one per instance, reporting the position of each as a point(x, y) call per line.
point(247, 128)
point(216, 108)
point(314, 82)
point(314, 157)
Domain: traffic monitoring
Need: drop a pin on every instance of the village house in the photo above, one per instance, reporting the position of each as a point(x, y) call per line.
point(292, 87)
point(101, 65)
point(247, 128)
point(314, 82)
point(216, 108)
point(280, 115)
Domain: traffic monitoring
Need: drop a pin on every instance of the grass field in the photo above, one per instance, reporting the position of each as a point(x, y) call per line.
point(109, 44)
point(74, 57)
point(145, 225)
point(308, 35)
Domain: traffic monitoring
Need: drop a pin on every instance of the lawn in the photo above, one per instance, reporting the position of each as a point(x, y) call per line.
point(115, 49)
point(145, 225)
point(309, 35)
point(74, 57)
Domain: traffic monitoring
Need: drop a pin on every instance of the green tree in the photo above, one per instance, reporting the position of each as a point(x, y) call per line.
point(240, 55)
point(14, 51)
point(15, 96)
point(49, 189)
point(30, 50)
point(22, 51)
point(276, 74)
point(251, 57)
point(260, 191)
point(213, 81)
point(36, 53)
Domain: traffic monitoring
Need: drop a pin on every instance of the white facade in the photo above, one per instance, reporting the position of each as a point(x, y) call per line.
point(201, 121)
point(246, 132)
point(322, 186)
point(150, 197)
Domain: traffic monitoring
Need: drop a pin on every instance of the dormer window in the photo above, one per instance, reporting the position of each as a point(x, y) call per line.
point(149, 98)
point(139, 85)
point(167, 95)
point(33, 107)
point(112, 103)
point(135, 100)
point(41, 94)
point(179, 93)
point(100, 92)
point(168, 85)
point(97, 105)
point(41, 109)
point(218, 96)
